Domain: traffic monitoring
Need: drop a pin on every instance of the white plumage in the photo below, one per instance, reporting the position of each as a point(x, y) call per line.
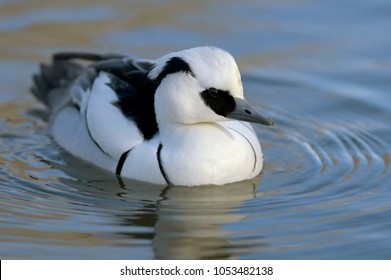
point(179, 120)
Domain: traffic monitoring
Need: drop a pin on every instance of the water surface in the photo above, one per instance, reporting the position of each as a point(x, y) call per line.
point(320, 69)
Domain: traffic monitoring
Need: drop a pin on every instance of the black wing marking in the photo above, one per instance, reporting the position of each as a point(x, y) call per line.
point(136, 101)
point(128, 77)
point(135, 91)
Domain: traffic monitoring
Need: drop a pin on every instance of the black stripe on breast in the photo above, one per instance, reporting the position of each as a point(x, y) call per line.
point(92, 138)
point(251, 145)
point(161, 167)
point(121, 162)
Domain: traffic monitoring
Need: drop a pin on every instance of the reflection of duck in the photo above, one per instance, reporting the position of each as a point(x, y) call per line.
point(191, 220)
point(182, 222)
point(168, 121)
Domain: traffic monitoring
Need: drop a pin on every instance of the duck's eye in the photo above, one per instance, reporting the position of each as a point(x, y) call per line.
point(220, 101)
point(215, 92)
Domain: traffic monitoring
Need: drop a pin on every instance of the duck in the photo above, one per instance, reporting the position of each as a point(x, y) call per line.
point(180, 119)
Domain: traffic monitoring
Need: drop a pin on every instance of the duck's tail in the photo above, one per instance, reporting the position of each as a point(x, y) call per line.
point(62, 71)
point(59, 74)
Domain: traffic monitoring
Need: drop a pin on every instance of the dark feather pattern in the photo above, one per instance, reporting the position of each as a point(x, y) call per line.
point(136, 101)
point(128, 77)
point(174, 65)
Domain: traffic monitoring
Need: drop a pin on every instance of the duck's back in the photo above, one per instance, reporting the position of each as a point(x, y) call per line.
point(99, 110)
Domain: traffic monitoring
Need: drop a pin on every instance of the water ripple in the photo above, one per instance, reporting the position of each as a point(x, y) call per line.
point(324, 181)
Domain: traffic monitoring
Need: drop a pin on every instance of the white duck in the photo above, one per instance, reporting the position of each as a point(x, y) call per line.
point(177, 120)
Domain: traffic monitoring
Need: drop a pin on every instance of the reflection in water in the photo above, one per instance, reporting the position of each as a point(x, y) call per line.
point(182, 222)
point(324, 192)
point(190, 221)
point(321, 182)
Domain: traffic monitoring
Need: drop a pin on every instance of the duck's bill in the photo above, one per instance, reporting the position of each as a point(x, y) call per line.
point(245, 112)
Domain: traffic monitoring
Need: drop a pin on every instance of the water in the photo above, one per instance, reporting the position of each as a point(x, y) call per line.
point(320, 69)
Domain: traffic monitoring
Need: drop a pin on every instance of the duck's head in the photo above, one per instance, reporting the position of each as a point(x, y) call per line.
point(201, 84)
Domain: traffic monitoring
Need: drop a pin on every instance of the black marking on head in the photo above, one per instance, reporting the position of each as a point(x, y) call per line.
point(161, 167)
point(121, 162)
point(220, 101)
point(136, 101)
point(174, 65)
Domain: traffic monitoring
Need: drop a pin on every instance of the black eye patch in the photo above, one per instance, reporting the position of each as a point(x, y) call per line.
point(220, 101)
